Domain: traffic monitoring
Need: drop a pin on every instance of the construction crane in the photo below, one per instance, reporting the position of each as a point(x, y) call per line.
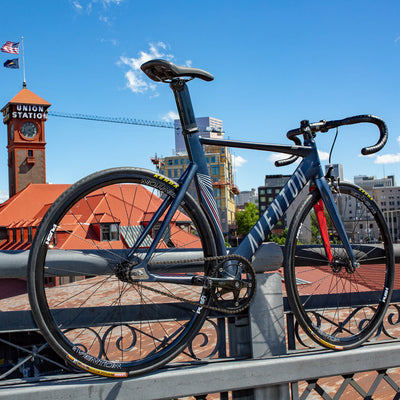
point(158, 162)
point(118, 120)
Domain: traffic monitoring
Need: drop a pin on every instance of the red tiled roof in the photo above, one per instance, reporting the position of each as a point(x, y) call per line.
point(26, 209)
point(25, 96)
point(29, 204)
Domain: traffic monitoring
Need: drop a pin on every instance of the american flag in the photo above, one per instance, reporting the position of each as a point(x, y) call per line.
point(10, 47)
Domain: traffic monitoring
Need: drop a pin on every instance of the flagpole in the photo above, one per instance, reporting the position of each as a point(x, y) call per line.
point(23, 61)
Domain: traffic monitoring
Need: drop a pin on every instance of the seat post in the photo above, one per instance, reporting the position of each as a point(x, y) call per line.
point(190, 130)
point(184, 105)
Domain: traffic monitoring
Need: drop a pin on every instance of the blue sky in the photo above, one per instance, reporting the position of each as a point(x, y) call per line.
point(275, 63)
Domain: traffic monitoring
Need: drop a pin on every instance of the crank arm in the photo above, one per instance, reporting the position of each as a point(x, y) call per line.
point(208, 281)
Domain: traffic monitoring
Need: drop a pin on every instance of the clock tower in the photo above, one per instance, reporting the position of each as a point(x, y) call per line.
point(25, 116)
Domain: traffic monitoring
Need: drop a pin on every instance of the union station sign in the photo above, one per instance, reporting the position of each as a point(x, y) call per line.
point(25, 111)
point(29, 111)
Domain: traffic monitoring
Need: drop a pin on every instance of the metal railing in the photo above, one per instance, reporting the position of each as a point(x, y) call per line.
point(253, 355)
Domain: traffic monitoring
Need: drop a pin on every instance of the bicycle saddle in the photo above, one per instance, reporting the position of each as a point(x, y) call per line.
point(163, 71)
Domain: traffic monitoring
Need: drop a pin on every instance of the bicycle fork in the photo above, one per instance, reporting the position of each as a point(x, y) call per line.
point(328, 200)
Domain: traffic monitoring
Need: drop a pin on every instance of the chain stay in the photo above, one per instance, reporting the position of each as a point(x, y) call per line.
point(195, 303)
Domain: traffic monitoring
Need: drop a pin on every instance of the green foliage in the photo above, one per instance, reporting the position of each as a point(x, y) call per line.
point(280, 239)
point(246, 219)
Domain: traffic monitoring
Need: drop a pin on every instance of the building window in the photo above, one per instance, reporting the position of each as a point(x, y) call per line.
point(109, 232)
point(214, 170)
point(169, 162)
point(29, 157)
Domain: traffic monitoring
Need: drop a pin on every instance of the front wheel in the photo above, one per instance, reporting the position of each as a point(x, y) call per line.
point(82, 302)
point(339, 307)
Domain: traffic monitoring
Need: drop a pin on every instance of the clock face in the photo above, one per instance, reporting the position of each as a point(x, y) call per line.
point(29, 130)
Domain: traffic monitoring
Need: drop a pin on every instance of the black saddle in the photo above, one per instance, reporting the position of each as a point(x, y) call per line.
point(164, 71)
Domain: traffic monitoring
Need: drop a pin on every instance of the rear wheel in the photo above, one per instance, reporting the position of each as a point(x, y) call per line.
point(337, 307)
point(80, 299)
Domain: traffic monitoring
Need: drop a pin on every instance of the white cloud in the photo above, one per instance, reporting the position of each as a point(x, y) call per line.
point(111, 2)
point(388, 159)
point(88, 4)
point(3, 196)
point(136, 80)
point(77, 5)
point(281, 156)
point(323, 155)
point(238, 161)
point(114, 42)
point(277, 156)
point(104, 19)
point(170, 116)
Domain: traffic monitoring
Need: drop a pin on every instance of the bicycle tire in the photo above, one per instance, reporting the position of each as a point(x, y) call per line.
point(89, 316)
point(335, 307)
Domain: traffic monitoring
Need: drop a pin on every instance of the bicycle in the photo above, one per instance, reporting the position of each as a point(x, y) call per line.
point(126, 264)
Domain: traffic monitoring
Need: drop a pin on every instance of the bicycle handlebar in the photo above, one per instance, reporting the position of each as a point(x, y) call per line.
point(324, 126)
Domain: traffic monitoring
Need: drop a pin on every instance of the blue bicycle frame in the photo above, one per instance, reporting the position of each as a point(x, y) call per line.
point(309, 170)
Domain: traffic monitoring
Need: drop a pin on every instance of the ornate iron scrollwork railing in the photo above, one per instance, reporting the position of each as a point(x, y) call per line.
point(388, 330)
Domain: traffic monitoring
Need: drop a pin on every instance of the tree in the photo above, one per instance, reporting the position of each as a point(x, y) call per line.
point(280, 239)
point(246, 219)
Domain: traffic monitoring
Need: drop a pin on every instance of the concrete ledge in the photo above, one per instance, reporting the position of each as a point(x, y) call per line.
point(211, 378)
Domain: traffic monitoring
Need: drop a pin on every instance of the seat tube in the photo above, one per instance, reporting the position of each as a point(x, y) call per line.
point(196, 155)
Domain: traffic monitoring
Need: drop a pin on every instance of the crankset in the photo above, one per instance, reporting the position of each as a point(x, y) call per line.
point(231, 292)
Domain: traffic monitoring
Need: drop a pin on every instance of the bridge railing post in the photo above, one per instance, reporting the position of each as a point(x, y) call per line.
point(261, 333)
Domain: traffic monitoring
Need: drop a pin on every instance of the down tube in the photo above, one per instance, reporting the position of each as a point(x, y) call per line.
point(304, 172)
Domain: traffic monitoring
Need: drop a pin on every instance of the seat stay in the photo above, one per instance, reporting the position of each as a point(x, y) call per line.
point(186, 180)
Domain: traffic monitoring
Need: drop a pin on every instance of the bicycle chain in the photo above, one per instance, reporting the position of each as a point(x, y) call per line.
point(195, 303)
